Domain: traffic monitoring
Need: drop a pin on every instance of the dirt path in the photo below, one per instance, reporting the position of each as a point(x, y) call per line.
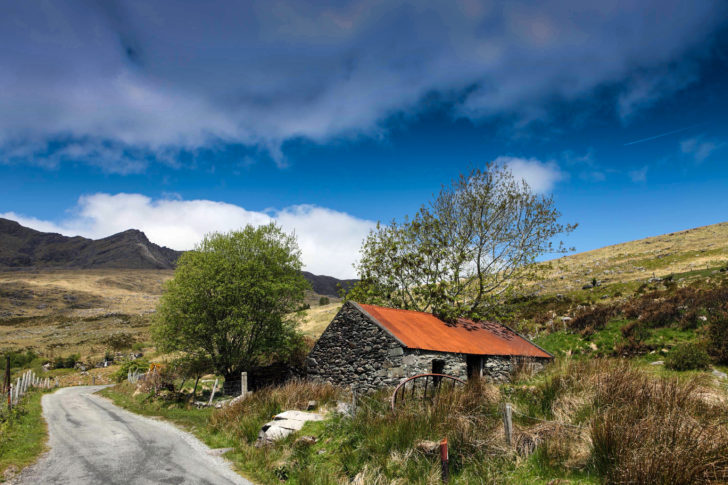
point(95, 442)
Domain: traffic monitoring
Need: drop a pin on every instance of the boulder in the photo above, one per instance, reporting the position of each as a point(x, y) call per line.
point(284, 424)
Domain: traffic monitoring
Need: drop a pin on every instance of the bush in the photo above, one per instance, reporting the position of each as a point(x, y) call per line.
point(130, 365)
point(589, 320)
point(324, 300)
point(718, 338)
point(66, 362)
point(17, 359)
point(120, 341)
point(687, 356)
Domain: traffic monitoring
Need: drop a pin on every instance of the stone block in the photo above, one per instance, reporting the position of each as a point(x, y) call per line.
point(394, 352)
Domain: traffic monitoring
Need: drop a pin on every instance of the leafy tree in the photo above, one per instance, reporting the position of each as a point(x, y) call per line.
point(477, 240)
point(231, 297)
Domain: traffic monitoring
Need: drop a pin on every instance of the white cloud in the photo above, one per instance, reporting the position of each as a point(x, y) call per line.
point(540, 176)
point(698, 148)
point(138, 80)
point(329, 239)
point(639, 175)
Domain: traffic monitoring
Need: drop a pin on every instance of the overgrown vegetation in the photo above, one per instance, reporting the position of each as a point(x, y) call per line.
point(22, 434)
point(688, 356)
point(604, 421)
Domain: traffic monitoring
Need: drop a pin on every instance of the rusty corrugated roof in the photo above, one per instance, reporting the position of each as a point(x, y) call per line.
point(419, 330)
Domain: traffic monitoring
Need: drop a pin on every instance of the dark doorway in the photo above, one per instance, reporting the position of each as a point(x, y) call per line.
point(438, 367)
point(475, 365)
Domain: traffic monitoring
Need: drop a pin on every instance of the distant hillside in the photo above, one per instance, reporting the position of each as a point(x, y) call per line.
point(21, 247)
point(678, 252)
point(25, 248)
point(327, 285)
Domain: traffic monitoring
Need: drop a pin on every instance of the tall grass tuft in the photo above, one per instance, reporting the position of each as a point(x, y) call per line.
point(656, 430)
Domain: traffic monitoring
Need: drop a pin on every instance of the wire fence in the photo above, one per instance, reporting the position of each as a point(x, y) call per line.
point(13, 393)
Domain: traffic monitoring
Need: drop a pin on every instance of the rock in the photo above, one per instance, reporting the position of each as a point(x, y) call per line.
point(284, 424)
point(664, 351)
point(427, 447)
point(566, 319)
point(306, 440)
point(311, 405)
point(343, 408)
point(658, 362)
point(703, 318)
point(719, 374)
point(593, 346)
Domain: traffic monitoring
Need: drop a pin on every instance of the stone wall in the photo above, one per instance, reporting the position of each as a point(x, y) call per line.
point(356, 352)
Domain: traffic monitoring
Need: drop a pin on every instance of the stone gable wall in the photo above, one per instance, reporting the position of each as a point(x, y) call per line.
point(355, 352)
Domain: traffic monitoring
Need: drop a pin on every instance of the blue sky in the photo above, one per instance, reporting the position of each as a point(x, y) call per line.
point(330, 116)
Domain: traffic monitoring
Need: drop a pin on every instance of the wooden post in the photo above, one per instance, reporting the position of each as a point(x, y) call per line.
point(444, 457)
point(243, 383)
point(508, 423)
point(212, 394)
point(6, 382)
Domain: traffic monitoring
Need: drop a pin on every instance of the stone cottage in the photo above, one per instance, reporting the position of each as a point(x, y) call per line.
point(367, 347)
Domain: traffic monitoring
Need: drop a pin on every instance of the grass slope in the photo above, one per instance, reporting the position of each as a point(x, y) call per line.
point(677, 252)
point(23, 435)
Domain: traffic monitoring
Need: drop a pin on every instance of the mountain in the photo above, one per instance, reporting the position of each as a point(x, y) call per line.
point(22, 247)
point(327, 285)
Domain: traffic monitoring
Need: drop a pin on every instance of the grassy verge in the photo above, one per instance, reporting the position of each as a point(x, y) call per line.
point(23, 434)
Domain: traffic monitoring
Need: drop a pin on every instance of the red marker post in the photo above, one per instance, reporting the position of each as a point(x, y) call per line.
point(443, 460)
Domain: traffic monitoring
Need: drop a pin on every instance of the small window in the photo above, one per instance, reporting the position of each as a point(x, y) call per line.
point(438, 366)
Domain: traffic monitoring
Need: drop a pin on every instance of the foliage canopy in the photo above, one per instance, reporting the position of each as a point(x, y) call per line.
point(477, 240)
point(231, 298)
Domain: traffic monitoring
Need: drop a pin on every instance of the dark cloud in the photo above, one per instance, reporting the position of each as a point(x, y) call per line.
point(157, 76)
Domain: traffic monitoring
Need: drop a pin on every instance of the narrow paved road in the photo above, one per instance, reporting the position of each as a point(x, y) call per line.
point(95, 442)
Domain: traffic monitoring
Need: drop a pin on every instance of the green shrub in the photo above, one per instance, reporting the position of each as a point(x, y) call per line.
point(66, 362)
point(687, 356)
point(17, 359)
point(120, 341)
point(141, 364)
point(324, 300)
point(718, 338)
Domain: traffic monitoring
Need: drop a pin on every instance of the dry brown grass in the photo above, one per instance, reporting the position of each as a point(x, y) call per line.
point(647, 429)
point(317, 318)
point(65, 312)
point(80, 293)
point(677, 252)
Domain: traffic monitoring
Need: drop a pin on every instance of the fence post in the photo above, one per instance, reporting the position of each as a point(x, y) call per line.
point(444, 457)
point(93, 380)
point(243, 383)
point(508, 423)
point(212, 394)
point(6, 382)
